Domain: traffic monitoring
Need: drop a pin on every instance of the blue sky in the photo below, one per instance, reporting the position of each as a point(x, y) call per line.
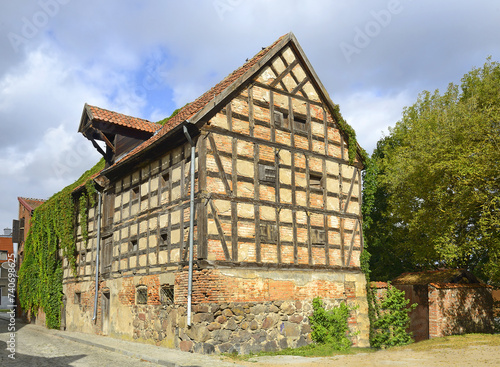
point(147, 58)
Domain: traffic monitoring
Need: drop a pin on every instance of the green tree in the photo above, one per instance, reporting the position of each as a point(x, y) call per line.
point(432, 191)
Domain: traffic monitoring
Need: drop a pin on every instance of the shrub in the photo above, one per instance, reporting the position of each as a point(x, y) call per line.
point(330, 327)
point(392, 320)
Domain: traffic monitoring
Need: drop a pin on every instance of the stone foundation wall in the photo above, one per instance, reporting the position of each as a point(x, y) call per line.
point(268, 309)
point(230, 327)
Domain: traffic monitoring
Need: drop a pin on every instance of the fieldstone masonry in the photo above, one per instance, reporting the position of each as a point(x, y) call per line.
point(230, 327)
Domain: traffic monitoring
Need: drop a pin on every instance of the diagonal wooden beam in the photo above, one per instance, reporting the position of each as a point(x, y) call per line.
point(351, 245)
point(220, 230)
point(222, 173)
point(350, 189)
point(284, 73)
point(300, 85)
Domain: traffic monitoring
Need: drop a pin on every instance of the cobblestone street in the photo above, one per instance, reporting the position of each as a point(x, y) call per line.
point(34, 346)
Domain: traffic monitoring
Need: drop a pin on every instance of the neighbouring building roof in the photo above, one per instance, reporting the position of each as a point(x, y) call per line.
point(30, 204)
point(100, 114)
point(456, 276)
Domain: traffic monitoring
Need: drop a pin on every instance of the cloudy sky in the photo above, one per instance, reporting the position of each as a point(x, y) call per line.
point(147, 58)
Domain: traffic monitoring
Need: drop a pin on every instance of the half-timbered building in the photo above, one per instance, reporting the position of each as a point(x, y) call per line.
point(276, 216)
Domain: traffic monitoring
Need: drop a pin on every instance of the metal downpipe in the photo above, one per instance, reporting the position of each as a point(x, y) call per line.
point(99, 204)
point(191, 227)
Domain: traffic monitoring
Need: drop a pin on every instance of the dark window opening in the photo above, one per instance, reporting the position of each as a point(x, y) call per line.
point(134, 193)
point(142, 295)
point(133, 246)
point(163, 241)
point(315, 181)
point(299, 124)
point(165, 177)
point(167, 295)
point(78, 298)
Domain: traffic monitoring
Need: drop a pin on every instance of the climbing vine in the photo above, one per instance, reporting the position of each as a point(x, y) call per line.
point(52, 235)
point(352, 143)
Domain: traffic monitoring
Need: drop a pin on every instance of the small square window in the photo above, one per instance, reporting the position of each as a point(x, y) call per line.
point(299, 124)
point(78, 298)
point(268, 233)
point(315, 181)
point(167, 295)
point(267, 173)
point(318, 236)
point(142, 295)
point(280, 119)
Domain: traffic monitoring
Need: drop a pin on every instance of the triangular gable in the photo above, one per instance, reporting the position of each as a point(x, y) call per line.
point(282, 65)
point(30, 204)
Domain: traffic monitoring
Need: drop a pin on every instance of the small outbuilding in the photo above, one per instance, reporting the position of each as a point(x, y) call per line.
point(450, 302)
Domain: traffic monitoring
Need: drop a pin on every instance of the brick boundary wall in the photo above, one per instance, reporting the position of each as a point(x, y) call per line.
point(460, 308)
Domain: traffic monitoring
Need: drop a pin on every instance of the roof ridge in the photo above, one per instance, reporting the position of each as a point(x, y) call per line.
point(203, 100)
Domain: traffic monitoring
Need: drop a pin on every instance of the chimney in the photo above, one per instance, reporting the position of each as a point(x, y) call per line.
point(7, 232)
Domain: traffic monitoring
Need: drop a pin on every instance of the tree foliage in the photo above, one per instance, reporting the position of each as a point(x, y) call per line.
point(432, 186)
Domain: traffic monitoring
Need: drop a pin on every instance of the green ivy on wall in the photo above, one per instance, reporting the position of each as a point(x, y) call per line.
point(52, 234)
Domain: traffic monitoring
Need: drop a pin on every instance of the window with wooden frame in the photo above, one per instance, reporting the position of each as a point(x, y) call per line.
point(141, 293)
point(268, 233)
point(318, 236)
point(108, 208)
point(267, 174)
point(299, 123)
point(107, 254)
point(281, 119)
point(315, 181)
point(167, 294)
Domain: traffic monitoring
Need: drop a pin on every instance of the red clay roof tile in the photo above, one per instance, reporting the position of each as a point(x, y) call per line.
point(116, 118)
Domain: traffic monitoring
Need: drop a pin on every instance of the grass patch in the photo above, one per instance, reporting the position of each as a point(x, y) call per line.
point(5, 310)
point(311, 350)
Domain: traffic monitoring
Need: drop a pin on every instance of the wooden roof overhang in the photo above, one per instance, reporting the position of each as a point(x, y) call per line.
point(104, 128)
